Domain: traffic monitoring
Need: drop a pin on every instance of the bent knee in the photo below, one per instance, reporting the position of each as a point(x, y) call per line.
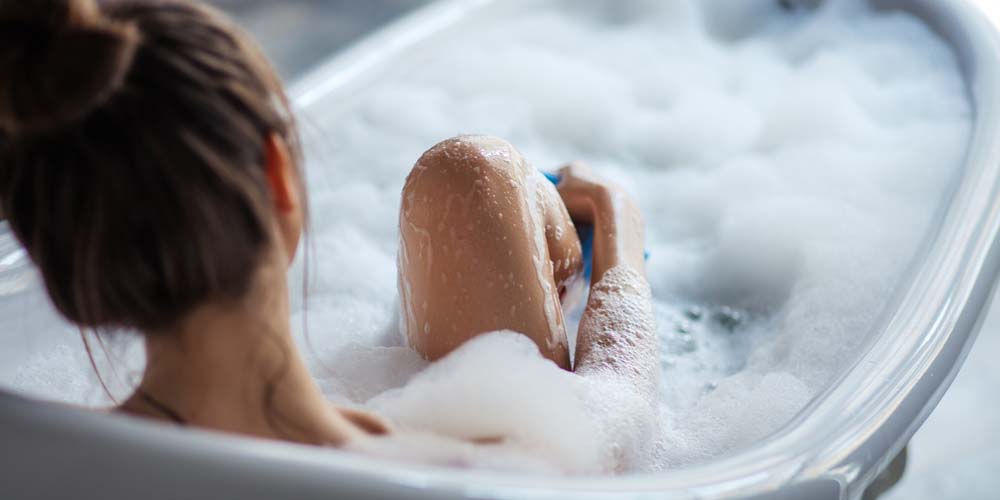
point(468, 196)
point(468, 163)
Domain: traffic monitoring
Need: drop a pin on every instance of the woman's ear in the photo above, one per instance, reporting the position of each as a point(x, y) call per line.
point(282, 180)
point(280, 175)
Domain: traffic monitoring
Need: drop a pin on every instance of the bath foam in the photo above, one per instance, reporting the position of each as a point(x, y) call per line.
point(498, 389)
point(788, 165)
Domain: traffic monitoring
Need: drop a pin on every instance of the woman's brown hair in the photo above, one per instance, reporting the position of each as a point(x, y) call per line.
point(132, 151)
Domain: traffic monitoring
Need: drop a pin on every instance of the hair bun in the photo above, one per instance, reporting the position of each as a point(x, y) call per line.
point(59, 59)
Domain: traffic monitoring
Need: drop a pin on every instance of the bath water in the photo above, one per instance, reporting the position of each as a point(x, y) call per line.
point(789, 164)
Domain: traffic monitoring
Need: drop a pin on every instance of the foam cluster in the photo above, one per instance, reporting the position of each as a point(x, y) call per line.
point(788, 162)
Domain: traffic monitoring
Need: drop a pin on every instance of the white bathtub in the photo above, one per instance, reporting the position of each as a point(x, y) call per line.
point(833, 449)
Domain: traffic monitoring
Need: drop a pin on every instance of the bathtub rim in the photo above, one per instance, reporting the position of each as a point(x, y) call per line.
point(950, 295)
point(879, 428)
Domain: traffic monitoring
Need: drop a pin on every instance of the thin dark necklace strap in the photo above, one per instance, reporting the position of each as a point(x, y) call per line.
point(162, 408)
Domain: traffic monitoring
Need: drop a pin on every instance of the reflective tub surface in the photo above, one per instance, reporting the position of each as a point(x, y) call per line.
point(833, 449)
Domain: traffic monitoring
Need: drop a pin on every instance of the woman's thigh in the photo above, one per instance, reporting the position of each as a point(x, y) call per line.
point(485, 245)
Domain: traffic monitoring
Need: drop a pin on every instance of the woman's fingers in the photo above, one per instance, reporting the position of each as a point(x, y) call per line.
point(577, 172)
point(579, 189)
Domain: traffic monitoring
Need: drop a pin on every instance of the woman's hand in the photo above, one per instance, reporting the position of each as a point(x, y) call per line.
point(617, 335)
point(619, 236)
point(582, 191)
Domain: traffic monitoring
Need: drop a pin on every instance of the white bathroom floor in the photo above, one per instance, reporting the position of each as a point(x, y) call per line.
point(956, 453)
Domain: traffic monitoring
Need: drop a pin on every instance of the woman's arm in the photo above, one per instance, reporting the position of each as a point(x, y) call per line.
point(617, 336)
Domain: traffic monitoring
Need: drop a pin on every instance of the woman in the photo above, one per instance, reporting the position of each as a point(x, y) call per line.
point(149, 165)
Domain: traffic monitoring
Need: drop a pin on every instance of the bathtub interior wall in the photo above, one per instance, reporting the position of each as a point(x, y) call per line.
point(790, 163)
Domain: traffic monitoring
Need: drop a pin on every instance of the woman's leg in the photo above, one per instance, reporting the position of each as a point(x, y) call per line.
point(485, 244)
